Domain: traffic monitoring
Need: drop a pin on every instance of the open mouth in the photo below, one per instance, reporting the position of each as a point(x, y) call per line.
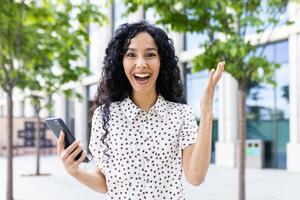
point(142, 78)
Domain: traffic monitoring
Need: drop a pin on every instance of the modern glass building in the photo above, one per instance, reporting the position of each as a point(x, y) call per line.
point(273, 112)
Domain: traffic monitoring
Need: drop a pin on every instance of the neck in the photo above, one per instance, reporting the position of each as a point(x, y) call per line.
point(144, 101)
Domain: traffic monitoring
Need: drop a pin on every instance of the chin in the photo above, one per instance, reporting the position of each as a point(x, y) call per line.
point(140, 90)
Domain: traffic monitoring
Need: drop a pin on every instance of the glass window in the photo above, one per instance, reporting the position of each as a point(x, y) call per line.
point(119, 9)
point(282, 93)
point(194, 40)
point(265, 96)
point(272, 105)
point(263, 15)
point(97, 45)
point(281, 52)
point(70, 117)
point(268, 52)
point(94, 50)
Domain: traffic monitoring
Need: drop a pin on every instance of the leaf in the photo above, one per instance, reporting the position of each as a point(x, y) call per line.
point(45, 40)
point(221, 18)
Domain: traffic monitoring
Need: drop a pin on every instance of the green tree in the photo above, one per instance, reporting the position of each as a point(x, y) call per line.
point(226, 24)
point(41, 44)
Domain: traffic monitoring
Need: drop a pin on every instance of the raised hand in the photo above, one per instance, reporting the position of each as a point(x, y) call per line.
point(215, 75)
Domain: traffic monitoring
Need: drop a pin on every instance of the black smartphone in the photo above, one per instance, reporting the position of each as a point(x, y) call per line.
point(57, 125)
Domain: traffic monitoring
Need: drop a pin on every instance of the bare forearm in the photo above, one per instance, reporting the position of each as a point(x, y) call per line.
point(201, 154)
point(92, 179)
point(199, 158)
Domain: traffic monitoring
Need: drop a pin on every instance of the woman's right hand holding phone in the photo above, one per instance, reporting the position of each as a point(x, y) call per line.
point(68, 155)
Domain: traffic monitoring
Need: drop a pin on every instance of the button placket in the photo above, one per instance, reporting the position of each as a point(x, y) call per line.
point(145, 143)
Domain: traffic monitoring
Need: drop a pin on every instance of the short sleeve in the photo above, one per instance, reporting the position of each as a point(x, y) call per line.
point(96, 146)
point(188, 133)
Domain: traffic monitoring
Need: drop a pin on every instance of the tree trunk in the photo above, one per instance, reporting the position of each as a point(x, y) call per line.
point(37, 145)
point(9, 186)
point(242, 130)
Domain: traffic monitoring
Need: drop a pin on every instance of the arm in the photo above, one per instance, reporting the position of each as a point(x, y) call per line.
point(92, 179)
point(196, 157)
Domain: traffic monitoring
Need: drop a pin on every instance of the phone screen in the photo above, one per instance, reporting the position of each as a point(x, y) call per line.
point(57, 125)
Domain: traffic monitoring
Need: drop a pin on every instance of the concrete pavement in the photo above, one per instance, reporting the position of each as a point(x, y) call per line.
point(220, 183)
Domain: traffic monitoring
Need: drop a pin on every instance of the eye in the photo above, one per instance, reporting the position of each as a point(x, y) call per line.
point(130, 54)
point(150, 55)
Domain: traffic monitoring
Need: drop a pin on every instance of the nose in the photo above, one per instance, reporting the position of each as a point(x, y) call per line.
point(141, 63)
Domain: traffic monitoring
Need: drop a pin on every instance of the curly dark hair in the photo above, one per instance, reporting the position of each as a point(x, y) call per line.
point(114, 85)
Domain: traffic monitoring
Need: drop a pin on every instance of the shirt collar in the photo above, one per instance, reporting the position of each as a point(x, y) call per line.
point(131, 110)
point(160, 106)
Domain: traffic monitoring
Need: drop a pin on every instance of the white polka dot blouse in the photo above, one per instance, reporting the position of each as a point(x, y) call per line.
point(145, 149)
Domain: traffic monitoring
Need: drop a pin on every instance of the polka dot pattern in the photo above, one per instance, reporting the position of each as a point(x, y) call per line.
point(145, 149)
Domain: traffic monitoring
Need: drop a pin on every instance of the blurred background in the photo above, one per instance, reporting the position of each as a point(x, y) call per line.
point(51, 59)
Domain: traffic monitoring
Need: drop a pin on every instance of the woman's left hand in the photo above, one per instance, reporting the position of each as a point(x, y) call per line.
point(215, 76)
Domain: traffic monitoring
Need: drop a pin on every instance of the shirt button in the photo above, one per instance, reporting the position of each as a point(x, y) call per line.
point(147, 159)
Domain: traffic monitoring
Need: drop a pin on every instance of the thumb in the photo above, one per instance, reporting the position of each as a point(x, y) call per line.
point(61, 142)
point(212, 73)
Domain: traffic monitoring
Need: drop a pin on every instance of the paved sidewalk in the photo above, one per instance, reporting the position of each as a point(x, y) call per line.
point(220, 184)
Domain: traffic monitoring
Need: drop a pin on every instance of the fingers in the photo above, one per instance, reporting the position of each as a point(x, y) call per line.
point(73, 155)
point(81, 159)
point(220, 68)
point(61, 143)
point(211, 75)
point(215, 75)
point(219, 71)
point(221, 64)
point(66, 153)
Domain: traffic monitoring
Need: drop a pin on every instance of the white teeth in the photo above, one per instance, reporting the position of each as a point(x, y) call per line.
point(142, 75)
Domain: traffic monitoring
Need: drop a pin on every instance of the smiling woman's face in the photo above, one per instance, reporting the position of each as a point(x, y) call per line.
point(141, 63)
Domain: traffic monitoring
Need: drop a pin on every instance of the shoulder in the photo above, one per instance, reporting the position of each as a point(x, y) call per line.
point(180, 107)
point(97, 112)
point(114, 106)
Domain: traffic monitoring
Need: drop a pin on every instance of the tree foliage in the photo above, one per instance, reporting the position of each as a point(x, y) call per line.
point(43, 43)
point(226, 24)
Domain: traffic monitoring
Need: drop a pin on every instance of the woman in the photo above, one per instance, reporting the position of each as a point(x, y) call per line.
point(143, 134)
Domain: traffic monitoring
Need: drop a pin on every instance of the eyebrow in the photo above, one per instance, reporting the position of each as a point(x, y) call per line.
point(148, 49)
